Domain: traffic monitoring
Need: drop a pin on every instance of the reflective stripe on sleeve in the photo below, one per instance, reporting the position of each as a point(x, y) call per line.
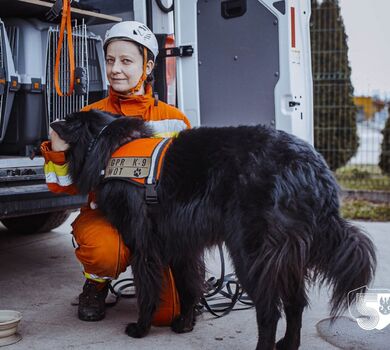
point(57, 174)
point(167, 127)
point(61, 170)
point(53, 178)
point(165, 135)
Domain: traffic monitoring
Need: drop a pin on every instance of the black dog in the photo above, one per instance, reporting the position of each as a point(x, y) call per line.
point(268, 195)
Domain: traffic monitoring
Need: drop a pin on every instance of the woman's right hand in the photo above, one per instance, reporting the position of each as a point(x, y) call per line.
point(57, 143)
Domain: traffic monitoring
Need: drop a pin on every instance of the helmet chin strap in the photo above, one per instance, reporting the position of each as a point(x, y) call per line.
point(143, 76)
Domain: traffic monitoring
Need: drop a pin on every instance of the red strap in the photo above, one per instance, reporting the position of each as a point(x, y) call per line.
point(66, 20)
point(143, 76)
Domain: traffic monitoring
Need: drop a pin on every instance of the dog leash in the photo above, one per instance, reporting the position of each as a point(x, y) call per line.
point(225, 288)
point(65, 22)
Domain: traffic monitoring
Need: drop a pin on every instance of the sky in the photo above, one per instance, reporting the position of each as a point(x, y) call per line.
point(367, 24)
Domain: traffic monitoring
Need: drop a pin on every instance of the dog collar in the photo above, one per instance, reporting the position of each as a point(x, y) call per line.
point(93, 141)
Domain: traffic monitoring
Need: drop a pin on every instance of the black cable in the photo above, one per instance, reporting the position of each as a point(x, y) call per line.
point(163, 8)
point(217, 285)
point(118, 292)
point(216, 292)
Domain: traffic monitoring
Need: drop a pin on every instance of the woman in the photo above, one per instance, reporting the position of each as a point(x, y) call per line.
point(130, 48)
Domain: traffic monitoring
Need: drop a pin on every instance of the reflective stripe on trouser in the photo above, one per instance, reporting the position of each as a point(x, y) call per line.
point(96, 278)
point(104, 255)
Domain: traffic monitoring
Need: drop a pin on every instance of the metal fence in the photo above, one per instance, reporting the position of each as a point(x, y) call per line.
point(363, 170)
point(348, 128)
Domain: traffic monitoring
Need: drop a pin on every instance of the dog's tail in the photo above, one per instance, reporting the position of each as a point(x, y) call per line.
point(347, 263)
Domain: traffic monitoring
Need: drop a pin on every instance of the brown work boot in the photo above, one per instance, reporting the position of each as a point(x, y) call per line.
point(92, 305)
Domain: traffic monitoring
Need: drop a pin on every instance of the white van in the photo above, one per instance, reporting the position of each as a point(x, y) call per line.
point(250, 64)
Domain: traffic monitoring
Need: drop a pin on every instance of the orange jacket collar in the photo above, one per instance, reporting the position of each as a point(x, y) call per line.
point(133, 104)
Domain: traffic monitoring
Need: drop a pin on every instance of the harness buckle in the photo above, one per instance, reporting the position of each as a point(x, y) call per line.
point(151, 194)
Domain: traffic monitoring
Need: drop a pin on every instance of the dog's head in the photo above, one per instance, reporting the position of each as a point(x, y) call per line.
point(93, 136)
point(82, 126)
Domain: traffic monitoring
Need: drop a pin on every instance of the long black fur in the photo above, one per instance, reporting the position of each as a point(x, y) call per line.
point(267, 194)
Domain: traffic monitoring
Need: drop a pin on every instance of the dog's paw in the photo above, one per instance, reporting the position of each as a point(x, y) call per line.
point(135, 331)
point(183, 325)
point(282, 345)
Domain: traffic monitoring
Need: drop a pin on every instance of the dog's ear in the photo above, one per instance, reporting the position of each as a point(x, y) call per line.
point(59, 127)
point(68, 129)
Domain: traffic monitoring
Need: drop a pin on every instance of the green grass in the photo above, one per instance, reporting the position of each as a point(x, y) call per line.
point(364, 210)
point(363, 177)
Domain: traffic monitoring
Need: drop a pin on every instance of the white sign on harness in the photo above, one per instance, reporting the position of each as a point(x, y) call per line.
point(132, 167)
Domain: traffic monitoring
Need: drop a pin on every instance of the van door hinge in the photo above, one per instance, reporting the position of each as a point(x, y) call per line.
point(293, 103)
point(181, 51)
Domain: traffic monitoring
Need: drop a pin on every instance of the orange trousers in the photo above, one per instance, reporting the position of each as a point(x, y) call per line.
point(102, 253)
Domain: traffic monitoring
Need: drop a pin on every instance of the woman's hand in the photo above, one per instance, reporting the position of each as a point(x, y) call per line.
point(57, 143)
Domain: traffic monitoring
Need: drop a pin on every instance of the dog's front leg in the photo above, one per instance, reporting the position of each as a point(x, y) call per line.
point(147, 272)
point(189, 274)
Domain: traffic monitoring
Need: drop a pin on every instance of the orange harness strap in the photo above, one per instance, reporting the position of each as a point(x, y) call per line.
point(66, 20)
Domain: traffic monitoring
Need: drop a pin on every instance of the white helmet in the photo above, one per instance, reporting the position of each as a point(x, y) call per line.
point(134, 31)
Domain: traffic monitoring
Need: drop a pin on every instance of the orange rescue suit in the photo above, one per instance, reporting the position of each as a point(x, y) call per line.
point(100, 247)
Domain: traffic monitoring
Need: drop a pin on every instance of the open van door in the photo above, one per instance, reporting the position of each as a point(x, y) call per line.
point(251, 63)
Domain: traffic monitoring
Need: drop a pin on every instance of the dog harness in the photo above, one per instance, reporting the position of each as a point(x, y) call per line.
point(139, 162)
